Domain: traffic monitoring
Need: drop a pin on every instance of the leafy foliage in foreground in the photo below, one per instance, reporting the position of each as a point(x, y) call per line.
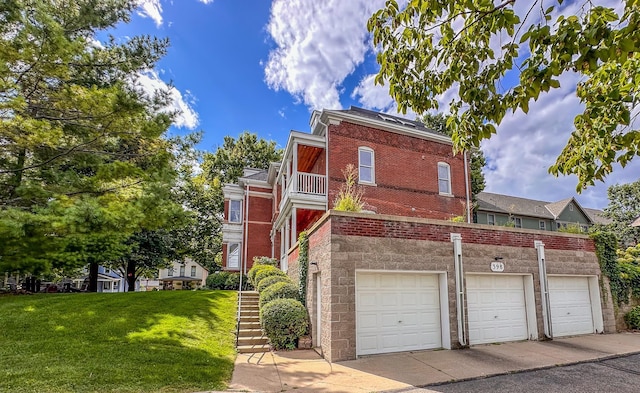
point(428, 48)
point(284, 321)
point(169, 341)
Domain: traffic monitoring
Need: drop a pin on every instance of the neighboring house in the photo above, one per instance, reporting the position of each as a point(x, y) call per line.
point(187, 274)
point(402, 276)
point(404, 169)
point(636, 222)
point(503, 210)
point(109, 280)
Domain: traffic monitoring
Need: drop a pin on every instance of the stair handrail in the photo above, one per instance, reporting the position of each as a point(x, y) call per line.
point(239, 307)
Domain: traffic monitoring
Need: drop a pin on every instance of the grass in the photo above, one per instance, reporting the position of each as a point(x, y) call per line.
point(165, 341)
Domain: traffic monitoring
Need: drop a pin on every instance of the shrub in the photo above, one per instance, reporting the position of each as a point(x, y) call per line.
point(632, 318)
point(266, 272)
point(349, 196)
point(280, 290)
point(265, 261)
point(254, 270)
point(270, 280)
point(284, 321)
point(217, 280)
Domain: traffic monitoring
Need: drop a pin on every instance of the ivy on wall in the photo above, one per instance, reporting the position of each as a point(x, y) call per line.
point(303, 265)
point(606, 246)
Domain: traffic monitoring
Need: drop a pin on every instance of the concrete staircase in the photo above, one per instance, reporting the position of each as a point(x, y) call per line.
point(250, 337)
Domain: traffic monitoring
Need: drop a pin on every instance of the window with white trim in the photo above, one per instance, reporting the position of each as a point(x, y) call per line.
point(235, 210)
point(444, 178)
point(491, 219)
point(543, 225)
point(518, 222)
point(366, 165)
point(170, 272)
point(233, 256)
point(182, 271)
point(193, 271)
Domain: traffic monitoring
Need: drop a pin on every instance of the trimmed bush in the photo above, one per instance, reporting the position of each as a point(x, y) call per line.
point(270, 280)
point(217, 280)
point(284, 321)
point(632, 318)
point(266, 272)
point(254, 270)
point(280, 290)
point(265, 261)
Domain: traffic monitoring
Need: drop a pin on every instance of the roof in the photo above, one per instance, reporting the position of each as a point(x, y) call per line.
point(636, 222)
point(262, 175)
point(396, 120)
point(506, 204)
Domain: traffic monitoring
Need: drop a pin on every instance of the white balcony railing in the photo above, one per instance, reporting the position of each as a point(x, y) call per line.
point(310, 183)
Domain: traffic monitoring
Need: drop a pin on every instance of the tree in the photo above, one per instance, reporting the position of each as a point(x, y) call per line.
point(623, 208)
point(438, 123)
point(84, 162)
point(476, 47)
point(226, 165)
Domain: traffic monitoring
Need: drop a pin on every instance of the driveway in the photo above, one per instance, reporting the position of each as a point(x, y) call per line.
point(620, 375)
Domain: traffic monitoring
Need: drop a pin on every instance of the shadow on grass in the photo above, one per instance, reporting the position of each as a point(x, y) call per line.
point(131, 342)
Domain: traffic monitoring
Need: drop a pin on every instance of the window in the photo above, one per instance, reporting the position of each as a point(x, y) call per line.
point(233, 256)
point(366, 172)
point(571, 207)
point(543, 225)
point(106, 285)
point(170, 272)
point(518, 222)
point(444, 178)
point(193, 271)
point(491, 219)
point(235, 210)
point(584, 228)
point(182, 271)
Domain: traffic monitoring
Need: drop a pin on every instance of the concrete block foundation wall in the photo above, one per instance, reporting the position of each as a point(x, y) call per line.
point(341, 243)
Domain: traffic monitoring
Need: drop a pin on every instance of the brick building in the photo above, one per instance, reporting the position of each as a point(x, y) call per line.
point(401, 275)
point(404, 169)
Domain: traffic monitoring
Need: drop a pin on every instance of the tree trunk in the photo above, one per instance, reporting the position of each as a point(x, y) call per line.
point(131, 276)
point(93, 277)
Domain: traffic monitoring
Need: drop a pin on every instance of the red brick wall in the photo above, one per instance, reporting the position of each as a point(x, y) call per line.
point(406, 172)
point(226, 210)
point(260, 209)
point(259, 242)
point(475, 234)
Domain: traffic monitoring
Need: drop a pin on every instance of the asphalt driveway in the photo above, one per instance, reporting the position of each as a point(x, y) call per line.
point(620, 375)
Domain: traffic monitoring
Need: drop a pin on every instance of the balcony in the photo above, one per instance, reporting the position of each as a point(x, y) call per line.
point(302, 186)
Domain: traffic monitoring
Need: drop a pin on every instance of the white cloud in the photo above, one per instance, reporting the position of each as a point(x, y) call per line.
point(318, 44)
point(151, 9)
point(526, 145)
point(186, 116)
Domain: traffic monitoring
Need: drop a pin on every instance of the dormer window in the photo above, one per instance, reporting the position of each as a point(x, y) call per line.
point(366, 165)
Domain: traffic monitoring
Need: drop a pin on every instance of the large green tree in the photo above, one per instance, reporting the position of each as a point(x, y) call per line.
point(623, 208)
point(84, 161)
point(499, 61)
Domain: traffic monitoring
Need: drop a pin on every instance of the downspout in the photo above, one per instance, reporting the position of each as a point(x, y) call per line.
point(456, 239)
point(544, 289)
point(466, 186)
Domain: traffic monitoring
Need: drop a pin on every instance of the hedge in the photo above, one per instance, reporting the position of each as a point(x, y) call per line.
point(266, 272)
point(254, 270)
point(632, 318)
point(284, 321)
point(280, 290)
point(270, 280)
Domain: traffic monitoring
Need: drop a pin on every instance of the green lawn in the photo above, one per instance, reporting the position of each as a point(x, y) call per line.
point(166, 341)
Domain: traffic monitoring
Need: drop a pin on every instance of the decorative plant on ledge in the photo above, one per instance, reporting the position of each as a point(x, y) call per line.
point(349, 198)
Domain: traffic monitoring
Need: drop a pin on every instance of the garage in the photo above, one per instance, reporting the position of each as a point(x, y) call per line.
point(496, 308)
point(399, 312)
point(571, 308)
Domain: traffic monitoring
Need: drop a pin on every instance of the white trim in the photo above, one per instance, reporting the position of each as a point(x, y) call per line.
point(542, 225)
point(367, 149)
point(493, 219)
point(447, 166)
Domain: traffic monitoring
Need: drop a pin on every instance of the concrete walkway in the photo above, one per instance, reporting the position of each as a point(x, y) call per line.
point(306, 371)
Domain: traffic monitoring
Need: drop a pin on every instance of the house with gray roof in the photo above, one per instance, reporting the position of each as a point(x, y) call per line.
point(505, 210)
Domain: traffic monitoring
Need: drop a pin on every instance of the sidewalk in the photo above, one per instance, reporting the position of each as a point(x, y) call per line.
point(306, 371)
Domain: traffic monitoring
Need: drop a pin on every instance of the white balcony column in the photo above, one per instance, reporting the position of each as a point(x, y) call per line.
point(293, 226)
point(295, 168)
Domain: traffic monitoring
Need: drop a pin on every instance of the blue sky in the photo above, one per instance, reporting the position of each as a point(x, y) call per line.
point(263, 66)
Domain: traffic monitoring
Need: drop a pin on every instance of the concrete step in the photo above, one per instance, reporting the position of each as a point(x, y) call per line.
point(250, 318)
point(250, 305)
point(253, 348)
point(249, 312)
point(249, 325)
point(242, 341)
point(250, 333)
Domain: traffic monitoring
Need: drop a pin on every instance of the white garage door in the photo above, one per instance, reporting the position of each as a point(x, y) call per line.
point(496, 308)
point(397, 312)
point(570, 305)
